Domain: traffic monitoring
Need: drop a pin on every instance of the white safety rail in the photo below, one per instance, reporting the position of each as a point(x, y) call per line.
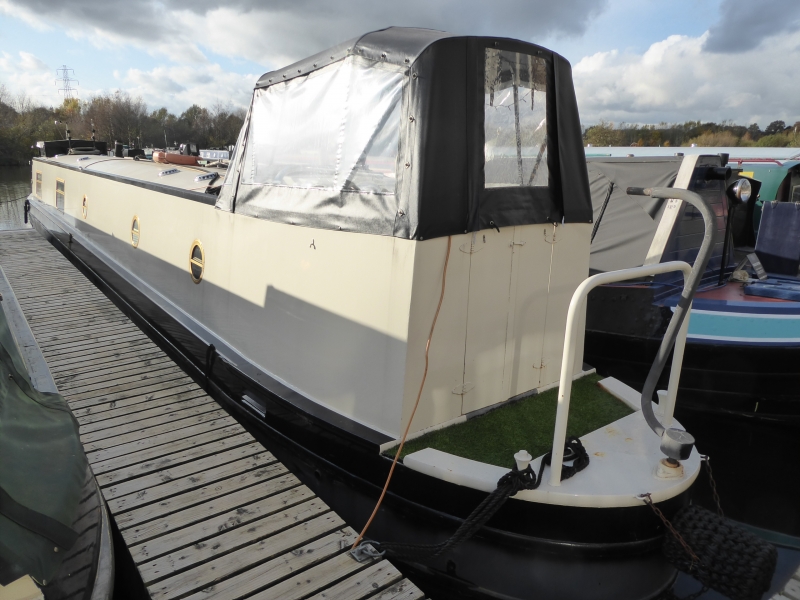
point(576, 308)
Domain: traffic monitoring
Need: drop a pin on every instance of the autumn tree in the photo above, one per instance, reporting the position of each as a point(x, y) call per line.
point(775, 127)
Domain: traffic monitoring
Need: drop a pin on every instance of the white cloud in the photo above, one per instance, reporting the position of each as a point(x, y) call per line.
point(178, 87)
point(25, 73)
point(282, 31)
point(677, 80)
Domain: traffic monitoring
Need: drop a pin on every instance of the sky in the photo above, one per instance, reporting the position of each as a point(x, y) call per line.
point(634, 61)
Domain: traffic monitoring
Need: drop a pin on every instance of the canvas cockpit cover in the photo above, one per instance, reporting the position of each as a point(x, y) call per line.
point(624, 226)
point(416, 134)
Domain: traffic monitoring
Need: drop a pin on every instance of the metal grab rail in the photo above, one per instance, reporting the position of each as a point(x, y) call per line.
point(576, 305)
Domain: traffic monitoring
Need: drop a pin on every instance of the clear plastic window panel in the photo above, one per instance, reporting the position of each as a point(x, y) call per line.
point(336, 129)
point(515, 119)
point(59, 194)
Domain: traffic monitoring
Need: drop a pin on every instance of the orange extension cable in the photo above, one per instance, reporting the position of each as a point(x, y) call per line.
point(416, 404)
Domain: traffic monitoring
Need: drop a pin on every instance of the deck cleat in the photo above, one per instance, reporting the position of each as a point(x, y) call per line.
point(677, 444)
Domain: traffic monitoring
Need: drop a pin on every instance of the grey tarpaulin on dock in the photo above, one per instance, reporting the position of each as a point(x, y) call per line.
point(628, 223)
point(42, 468)
point(386, 134)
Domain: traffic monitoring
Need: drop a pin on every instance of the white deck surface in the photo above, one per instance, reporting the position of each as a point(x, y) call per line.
point(623, 460)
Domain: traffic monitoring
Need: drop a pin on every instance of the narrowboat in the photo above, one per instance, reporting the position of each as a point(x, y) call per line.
point(398, 233)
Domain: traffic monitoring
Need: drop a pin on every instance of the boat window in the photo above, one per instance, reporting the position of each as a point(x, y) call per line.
point(337, 129)
point(85, 207)
point(39, 184)
point(196, 261)
point(60, 194)
point(135, 232)
point(515, 123)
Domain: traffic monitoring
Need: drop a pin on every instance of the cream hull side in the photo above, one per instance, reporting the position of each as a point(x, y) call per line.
point(343, 317)
point(505, 304)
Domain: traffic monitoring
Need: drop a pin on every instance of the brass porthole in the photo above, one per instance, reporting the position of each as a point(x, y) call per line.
point(197, 260)
point(135, 232)
point(85, 207)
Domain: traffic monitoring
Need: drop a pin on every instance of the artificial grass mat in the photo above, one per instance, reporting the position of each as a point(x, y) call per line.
point(528, 424)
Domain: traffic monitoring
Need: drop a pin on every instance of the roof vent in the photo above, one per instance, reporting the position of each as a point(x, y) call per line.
point(206, 177)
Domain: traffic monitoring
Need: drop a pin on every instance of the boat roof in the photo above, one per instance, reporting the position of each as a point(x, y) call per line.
point(181, 177)
point(393, 45)
point(735, 153)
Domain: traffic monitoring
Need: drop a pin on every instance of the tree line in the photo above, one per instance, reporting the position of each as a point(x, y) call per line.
point(115, 116)
point(775, 135)
point(118, 116)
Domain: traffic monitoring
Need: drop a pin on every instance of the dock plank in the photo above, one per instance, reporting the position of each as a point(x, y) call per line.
point(137, 375)
point(190, 498)
point(101, 454)
point(155, 478)
point(121, 409)
point(193, 454)
point(402, 590)
point(153, 413)
point(279, 567)
point(220, 523)
point(323, 575)
point(111, 372)
point(134, 430)
point(136, 385)
point(200, 479)
point(362, 584)
point(164, 451)
point(229, 541)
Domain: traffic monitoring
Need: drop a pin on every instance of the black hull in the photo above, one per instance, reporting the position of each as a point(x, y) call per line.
point(526, 550)
point(754, 383)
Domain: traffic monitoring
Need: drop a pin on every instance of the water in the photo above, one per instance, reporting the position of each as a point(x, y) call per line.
point(15, 185)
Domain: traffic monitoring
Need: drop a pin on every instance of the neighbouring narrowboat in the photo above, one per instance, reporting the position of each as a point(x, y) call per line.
point(744, 334)
point(739, 376)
